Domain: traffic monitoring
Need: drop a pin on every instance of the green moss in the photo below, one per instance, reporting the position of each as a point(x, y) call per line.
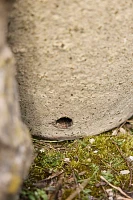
point(36, 195)
point(105, 156)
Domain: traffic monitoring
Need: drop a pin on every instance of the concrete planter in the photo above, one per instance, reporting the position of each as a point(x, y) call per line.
point(75, 65)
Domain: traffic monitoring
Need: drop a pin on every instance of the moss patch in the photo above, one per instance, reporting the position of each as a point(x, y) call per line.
point(60, 168)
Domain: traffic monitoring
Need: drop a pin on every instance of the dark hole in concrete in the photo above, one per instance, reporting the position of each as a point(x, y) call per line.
point(64, 122)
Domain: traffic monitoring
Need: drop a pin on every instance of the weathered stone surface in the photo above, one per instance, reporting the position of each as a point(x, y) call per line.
point(74, 60)
point(15, 142)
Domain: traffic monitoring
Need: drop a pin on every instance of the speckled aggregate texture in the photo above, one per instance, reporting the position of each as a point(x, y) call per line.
point(74, 59)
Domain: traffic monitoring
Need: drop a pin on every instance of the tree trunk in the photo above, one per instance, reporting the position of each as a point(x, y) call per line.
point(15, 142)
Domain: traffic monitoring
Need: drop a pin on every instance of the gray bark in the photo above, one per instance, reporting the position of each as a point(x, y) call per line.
point(15, 142)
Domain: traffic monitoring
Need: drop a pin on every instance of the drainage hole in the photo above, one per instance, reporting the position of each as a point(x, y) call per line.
point(64, 122)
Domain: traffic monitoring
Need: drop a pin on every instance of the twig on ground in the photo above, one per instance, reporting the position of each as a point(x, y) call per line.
point(117, 188)
point(72, 178)
point(105, 192)
point(121, 198)
point(58, 188)
point(130, 121)
point(78, 190)
point(123, 124)
point(42, 182)
point(76, 182)
point(127, 162)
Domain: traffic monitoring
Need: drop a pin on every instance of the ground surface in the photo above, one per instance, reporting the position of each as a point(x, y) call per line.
point(61, 168)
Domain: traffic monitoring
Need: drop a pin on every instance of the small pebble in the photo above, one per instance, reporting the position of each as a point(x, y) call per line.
point(124, 172)
point(114, 132)
point(130, 158)
point(122, 130)
point(104, 171)
point(110, 193)
point(89, 160)
point(42, 150)
point(66, 159)
point(92, 140)
point(111, 198)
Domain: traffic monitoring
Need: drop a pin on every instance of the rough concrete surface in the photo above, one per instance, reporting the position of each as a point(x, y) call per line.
point(75, 60)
